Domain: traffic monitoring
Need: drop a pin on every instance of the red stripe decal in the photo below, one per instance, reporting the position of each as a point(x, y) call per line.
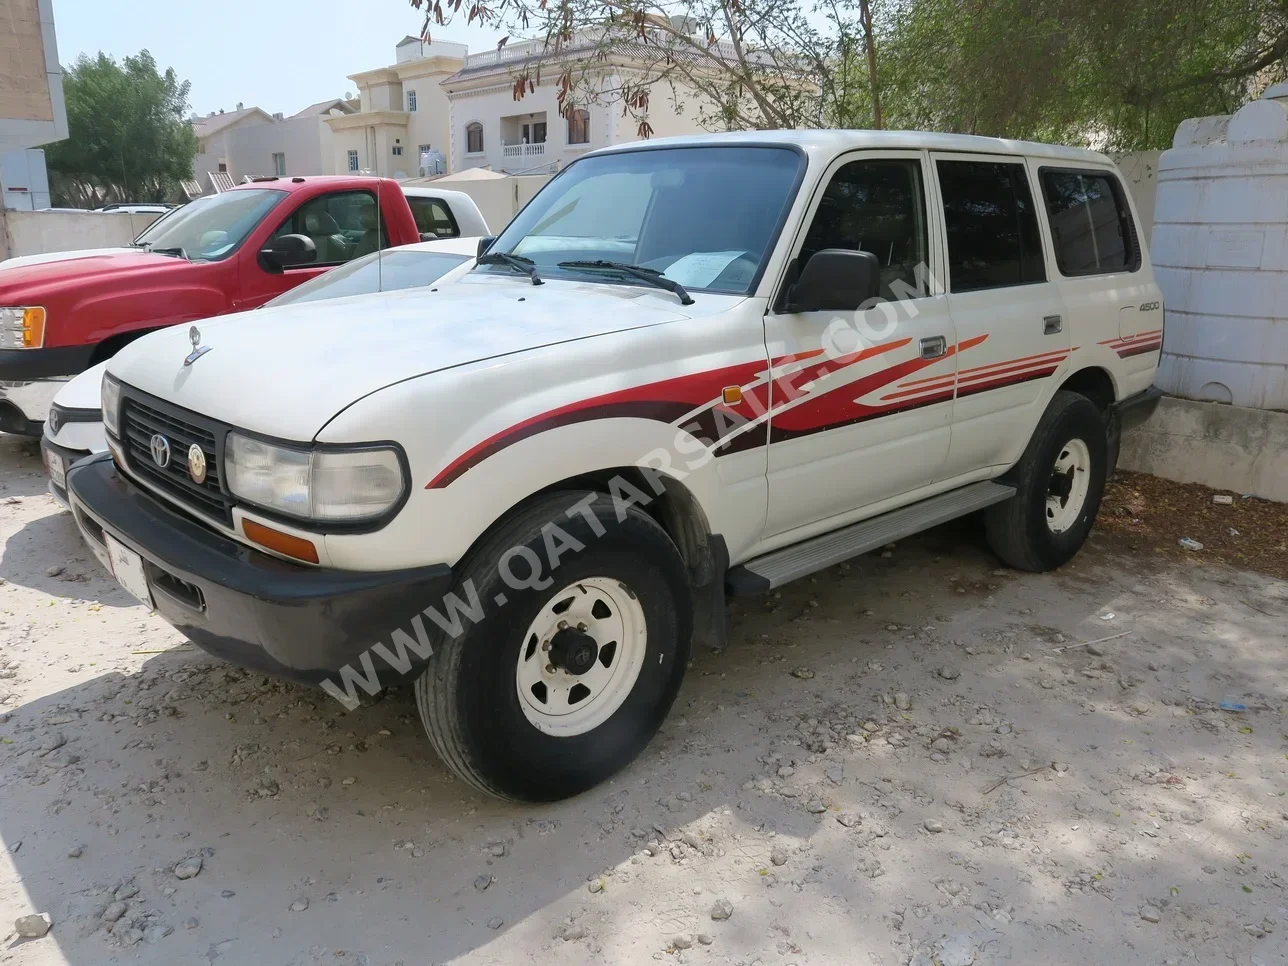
point(1139, 350)
point(665, 401)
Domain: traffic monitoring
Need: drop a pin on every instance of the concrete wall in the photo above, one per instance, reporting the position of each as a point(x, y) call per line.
point(40, 232)
point(1226, 447)
point(498, 199)
point(1140, 172)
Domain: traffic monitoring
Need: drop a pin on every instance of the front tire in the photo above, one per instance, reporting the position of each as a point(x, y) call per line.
point(562, 685)
point(1059, 482)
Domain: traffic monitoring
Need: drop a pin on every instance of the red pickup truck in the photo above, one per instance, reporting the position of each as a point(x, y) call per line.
point(62, 313)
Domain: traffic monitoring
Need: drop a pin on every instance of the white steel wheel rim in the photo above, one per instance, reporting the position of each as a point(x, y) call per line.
point(559, 702)
point(1070, 481)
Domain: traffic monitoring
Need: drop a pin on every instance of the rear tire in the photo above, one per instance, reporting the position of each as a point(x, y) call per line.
point(1059, 482)
point(558, 688)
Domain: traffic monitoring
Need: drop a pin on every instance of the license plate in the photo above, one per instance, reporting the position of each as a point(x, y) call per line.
point(57, 468)
point(127, 567)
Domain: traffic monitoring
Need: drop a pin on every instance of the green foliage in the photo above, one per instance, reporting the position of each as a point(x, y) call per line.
point(128, 137)
point(1122, 73)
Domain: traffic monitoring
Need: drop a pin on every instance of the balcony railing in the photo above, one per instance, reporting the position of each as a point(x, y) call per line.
point(523, 150)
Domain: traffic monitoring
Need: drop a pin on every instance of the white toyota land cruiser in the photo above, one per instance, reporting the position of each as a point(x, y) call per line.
point(687, 368)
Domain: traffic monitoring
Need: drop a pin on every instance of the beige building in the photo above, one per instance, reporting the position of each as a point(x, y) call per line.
point(440, 108)
point(402, 126)
point(32, 112)
point(251, 142)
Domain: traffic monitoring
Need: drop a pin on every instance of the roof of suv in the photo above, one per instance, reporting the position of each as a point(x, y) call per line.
point(835, 141)
point(299, 182)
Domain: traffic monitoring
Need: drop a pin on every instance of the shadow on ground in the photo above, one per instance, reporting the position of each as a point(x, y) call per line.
point(787, 745)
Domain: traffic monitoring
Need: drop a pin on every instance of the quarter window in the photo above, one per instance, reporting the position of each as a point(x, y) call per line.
point(991, 224)
point(474, 138)
point(1091, 224)
point(879, 207)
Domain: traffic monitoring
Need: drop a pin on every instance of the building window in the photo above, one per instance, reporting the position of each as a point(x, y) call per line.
point(579, 127)
point(474, 138)
point(425, 149)
point(223, 166)
point(279, 164)
point(398, 151)
point(353, 160)
point(411, 100)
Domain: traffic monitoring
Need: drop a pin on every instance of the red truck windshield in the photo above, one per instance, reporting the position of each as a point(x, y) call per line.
point(211, 228)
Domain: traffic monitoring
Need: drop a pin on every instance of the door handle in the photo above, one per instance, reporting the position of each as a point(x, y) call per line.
point(933, 347)
point(1051, 324)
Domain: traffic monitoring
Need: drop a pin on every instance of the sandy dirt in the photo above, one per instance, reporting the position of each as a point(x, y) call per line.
point(901, 761)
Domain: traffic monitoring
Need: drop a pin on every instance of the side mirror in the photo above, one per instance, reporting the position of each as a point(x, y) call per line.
point(288, 251)
point(484, 244)
point(835, 279)
point(428, 236)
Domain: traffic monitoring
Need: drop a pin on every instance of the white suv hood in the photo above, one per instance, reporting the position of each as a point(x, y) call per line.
point(287, 371)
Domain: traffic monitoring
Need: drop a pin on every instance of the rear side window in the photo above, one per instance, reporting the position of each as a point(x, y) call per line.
point(1091, 225)
point(992, 225)
point(432, 216)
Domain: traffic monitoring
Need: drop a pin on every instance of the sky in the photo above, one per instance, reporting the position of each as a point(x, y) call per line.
point(281, 55)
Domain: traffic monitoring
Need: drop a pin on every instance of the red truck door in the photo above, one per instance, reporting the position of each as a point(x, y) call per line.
point(343, 224)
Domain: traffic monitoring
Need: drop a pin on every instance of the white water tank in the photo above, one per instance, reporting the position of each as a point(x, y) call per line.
point(1220, 253)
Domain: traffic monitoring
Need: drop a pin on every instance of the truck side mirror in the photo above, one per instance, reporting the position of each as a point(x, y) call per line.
point(484, 244)
point(288, 251)
point(835, 279)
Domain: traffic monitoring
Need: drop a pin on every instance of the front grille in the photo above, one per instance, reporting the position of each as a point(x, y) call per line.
point(141, 421)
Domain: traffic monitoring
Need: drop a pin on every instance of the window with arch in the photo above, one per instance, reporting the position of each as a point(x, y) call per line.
point(579, 126)
point(474, 138)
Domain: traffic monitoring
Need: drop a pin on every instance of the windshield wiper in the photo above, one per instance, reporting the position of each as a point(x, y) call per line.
point(179, 252)
point(517, 262)
point(650, 275)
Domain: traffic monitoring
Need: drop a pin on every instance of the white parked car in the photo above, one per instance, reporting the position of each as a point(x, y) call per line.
point(689, 367)
point(74, 426)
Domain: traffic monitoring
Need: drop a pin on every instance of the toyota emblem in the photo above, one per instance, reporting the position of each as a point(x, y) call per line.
point(160, 447)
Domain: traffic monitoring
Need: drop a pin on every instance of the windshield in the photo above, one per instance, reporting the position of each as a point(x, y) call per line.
point(211, 228)
point(705, 217)
point(378, 272)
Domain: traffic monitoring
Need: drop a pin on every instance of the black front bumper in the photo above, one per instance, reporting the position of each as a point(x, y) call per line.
point(22, 365)
point(1134, 410)
point(248, 607)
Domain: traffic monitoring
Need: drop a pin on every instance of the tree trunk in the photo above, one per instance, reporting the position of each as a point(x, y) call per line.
point(865, 14)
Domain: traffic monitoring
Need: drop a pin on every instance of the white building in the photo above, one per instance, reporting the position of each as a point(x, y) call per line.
point(440, 105)
point(32, 111)
point(251, 142)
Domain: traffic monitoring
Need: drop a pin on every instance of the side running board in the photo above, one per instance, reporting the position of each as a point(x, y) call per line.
point(781, 566)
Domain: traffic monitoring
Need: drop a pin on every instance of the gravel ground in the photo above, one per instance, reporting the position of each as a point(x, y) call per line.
point(914, 758)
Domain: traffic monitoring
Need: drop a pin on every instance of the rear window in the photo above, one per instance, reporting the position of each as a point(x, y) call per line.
point(1091, 223)
point(433, 217)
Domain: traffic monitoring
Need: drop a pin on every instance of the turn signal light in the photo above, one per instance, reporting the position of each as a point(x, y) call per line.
point(732, 395)
point(33, 328)
point(288, 545)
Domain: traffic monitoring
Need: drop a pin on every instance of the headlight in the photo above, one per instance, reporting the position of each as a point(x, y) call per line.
point(111, 393)
point(22, 327)
point(327, 485)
